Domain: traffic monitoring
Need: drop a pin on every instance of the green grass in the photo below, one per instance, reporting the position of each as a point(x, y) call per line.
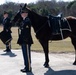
point(54, 46)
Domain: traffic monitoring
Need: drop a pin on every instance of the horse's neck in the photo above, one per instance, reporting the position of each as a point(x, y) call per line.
point(17, 17)
point(37, 20)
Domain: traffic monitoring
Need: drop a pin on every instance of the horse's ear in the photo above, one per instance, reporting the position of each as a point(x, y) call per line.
point(25, 6)
point(20, 6)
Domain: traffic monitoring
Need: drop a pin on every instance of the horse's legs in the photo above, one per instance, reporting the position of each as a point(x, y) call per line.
point(74, 44)
point(75, 58)
point(44, 44)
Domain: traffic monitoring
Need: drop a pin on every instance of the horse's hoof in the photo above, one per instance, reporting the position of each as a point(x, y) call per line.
point(74, 63)
point(46, 65)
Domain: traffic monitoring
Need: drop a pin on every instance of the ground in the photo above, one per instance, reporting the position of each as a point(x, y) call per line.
point(61, 58)
point(60, 63)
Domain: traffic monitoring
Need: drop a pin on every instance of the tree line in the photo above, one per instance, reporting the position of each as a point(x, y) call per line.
point(41, 7)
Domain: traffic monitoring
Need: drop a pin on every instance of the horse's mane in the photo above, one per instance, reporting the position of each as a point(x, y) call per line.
point(35, 13)
point(70, 17)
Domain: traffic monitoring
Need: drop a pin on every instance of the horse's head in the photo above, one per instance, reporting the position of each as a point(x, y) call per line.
point(17, 17)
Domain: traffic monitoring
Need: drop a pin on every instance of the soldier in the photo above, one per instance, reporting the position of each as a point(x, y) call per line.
point(6, 27)
point(25, 40)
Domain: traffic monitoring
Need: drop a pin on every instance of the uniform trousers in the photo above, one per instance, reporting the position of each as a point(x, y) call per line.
point(26, 56)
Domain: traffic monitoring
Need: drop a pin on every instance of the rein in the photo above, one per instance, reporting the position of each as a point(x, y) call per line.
point(41, 27)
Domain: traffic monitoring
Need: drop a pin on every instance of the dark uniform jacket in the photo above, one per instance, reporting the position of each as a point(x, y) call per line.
point(25, 34)
point(6, 25)
point(5, 35)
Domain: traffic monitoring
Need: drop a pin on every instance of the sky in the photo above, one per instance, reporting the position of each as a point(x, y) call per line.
point(23, 1)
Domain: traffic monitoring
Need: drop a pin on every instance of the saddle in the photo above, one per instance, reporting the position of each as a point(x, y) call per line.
point(58, 24)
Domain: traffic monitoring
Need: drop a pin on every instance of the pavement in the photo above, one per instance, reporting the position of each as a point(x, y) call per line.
point(60, 63)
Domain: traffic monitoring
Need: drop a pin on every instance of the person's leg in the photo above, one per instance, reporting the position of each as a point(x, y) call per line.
point(29, 55)
point(26, 56)
point(8, 47)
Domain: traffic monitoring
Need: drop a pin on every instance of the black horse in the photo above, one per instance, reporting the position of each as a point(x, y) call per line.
point(43, 31)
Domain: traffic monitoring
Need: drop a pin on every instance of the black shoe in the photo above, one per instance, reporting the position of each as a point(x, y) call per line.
point(7, 50)
point(25, 70)
point(46, 65)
